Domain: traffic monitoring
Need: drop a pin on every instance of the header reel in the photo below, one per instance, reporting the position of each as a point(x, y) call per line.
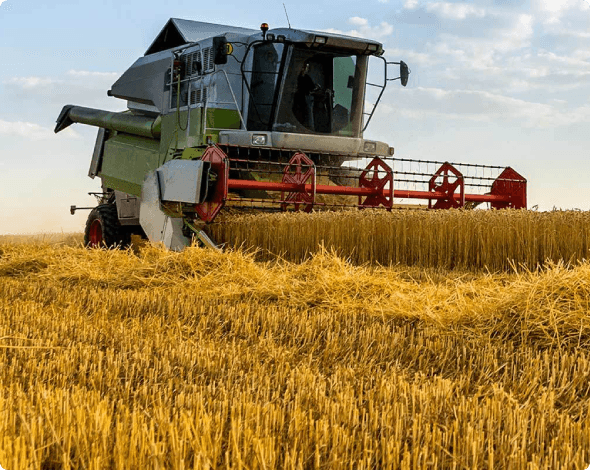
point(249, 181)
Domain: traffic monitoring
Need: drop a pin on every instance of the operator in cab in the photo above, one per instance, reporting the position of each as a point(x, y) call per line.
point(312, 103)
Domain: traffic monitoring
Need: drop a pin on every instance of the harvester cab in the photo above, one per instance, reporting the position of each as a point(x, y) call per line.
point(220, 116)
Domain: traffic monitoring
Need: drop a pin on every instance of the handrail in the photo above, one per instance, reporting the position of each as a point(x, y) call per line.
point(235, 102)
point(380, 94)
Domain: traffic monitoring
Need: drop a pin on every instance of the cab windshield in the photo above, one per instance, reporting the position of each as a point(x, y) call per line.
point(302, 90)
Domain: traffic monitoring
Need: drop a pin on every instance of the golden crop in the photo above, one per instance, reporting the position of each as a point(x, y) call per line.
point(451, 239)
point(123, 360)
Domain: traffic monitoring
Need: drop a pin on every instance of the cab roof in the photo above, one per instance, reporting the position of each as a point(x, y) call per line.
point(178, 32)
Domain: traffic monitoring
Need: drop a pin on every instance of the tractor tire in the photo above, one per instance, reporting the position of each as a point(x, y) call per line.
point(104, 230)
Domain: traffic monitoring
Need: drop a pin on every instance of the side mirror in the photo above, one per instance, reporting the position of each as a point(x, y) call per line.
point(404, 72)
point(220, 50)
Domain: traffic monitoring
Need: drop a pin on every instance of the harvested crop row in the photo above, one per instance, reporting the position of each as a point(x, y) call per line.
point(208, 360)
point(453, 239)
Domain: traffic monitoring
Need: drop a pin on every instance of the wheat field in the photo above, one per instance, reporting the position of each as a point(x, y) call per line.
point(449, 239)
point(144, 359)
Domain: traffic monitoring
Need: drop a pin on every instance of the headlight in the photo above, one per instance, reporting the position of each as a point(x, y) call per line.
point(320, 40)
point(259, 139)
point(370, 147)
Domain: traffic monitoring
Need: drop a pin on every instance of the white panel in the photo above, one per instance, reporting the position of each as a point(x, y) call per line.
point(180, 180)
point(158, 226)
point(173, 238)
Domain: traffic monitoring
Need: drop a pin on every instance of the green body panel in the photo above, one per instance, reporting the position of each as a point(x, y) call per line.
point(174, 132)
point(223, 119)
point(176, 137)
point(192, 153)
point(126, 161)
point(173, 135)
point(121, 185)
point(128, 158)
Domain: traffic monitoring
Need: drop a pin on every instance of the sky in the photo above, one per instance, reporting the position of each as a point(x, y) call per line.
point(498, 82)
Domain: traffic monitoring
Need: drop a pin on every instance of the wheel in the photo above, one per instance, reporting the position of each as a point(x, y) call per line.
point(104, 230)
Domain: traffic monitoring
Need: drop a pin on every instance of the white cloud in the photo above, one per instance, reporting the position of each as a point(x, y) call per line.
point(28, 83)
point(556, 6)
point(2, 1)
point(415, 58)
point(358, 21)
point(559, 103)
point(72, 77)
point(582, 54)
point(545, 70)
point(505, 53)
point(519, 35)
point(87, 74)
point(483, 106)
point(410, 4)
point(86, 88)
point(455, 11)
point(489, 56)
point(551, 12)
point(573, 33)
point(31, 131)
point(364, 30)
point(573, 61)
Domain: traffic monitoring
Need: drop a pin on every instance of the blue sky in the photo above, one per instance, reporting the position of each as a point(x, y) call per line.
point(493, 82)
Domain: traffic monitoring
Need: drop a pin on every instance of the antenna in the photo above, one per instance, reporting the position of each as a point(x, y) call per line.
point(287, 15)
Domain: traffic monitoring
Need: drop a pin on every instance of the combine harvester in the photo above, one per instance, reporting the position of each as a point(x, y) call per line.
point(220, 116)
